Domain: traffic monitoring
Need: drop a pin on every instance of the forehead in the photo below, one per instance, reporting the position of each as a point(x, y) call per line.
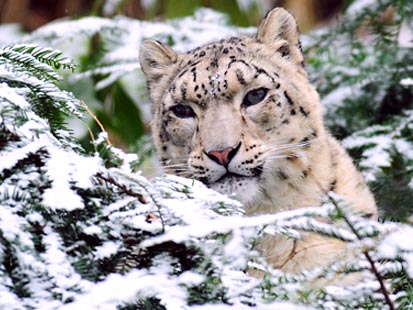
point(218, 70)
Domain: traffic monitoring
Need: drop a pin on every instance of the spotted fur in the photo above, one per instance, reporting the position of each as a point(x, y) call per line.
point(275, 153)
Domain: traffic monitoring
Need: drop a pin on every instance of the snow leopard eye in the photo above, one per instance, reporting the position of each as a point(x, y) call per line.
point(183, 111)
point(254, 96)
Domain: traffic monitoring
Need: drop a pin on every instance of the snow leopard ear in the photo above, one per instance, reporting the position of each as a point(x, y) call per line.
point(155, 58)
point(279, 29)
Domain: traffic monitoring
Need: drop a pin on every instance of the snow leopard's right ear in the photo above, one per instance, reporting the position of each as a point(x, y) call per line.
point(279, 30)
point(155, 58)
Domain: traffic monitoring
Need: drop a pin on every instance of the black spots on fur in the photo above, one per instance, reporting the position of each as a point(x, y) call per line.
point(332, 185)
point(284, 50)
point(305, 173)
point(285, 122)
point(214, 63)
point(195, 63)
point(202, 54)
point(183, 91)
point(156, 78)
point(240, 77)
point(303, 112)
point(234, 60)
point(368, 215)
point(305, 142)
point(234, 40)
point(334, 159)
point(247, 162)
point(204, 89)
point(262, 71)
point(314, 133)
point(201, 168)
point(225, 51)
point(252, 147)
point(281, 175)
point(164, 148)
point(292, 112)
point(193, 70)
point(182, 73)
point(225, 84)
point(289, 100)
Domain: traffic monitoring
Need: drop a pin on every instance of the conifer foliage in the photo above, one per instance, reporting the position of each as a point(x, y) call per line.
point(84, 230)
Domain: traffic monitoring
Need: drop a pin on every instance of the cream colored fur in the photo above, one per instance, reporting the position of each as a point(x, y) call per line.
point(250, 98)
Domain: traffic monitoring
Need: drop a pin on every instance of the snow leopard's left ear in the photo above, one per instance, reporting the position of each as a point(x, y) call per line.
point(155, 59)
point(280, 30)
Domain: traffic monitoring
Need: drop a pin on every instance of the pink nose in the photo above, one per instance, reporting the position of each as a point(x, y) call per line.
point(222, 157)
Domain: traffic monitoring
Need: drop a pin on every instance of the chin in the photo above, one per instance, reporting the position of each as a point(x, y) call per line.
point(243, 189)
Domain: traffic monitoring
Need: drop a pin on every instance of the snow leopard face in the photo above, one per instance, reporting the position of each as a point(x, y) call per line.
point(235, 114)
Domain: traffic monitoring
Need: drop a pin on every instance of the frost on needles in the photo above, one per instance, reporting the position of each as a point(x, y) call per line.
point(84, 231)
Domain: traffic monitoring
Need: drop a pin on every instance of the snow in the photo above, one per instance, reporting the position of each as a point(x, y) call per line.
point(67, 169)
point(406, 35)
point(406, 82)
point(11, 94)
point(374, 157)
point(93, 230)
point(117, 289)
point(106, 250)
point(10, 159)
point(398, 244)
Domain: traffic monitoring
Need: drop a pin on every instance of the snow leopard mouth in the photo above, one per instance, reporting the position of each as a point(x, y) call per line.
point(231, 177)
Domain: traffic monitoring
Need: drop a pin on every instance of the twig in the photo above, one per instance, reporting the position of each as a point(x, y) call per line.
point(366, 253)
point(123, 187)
point(96, 120)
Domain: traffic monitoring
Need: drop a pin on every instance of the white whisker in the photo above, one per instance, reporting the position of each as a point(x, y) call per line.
point(176, 166)
point(282, 147)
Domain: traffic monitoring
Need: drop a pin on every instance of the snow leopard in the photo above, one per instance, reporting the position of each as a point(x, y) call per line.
point(241, 116)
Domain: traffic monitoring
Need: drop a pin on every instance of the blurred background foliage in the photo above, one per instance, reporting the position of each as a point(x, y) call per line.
point(359, 56)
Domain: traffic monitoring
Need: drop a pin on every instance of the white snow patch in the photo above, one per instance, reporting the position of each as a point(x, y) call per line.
point(336, 97)
point(191, 278)
point(399, 243)
point(107, 249)
point(93, 230)
point(9, 300)
point(12, 95)
point(11, 226)
point(406, 34)
point(406, 82)
point(11, 158)
point(66, 168)
point(374, 157)
point(117, 289)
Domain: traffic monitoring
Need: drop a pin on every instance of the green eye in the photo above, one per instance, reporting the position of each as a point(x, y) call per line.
point(183, 111)
point(254, 96)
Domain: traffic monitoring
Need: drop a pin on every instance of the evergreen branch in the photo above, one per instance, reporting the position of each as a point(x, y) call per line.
point(366, 253)
point(47, 55)
point(44, 91)
point(122, 187)
point(36, 60)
